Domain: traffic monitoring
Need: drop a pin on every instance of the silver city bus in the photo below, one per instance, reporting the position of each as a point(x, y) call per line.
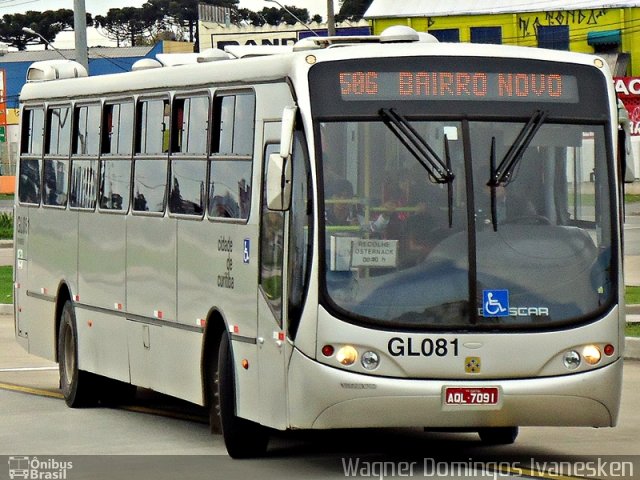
point(369, 232)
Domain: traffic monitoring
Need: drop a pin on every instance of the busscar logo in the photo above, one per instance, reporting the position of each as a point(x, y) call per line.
point(38, 469)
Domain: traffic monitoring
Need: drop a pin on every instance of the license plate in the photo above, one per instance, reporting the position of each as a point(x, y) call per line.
point(471, 396)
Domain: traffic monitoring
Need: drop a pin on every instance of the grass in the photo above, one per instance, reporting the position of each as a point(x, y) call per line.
point(631, 197)
point(632, 295)
point(6, 226)
point(632, 330)
point(6, 284)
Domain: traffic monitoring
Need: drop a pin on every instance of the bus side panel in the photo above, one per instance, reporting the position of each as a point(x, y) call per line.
point(101, 283)
point(151, 291)
point(52, 260)
point(198, 290)
point(197, 245)
point(101, 260)
point(171, 363)
point(20, 298)
point(102, 346)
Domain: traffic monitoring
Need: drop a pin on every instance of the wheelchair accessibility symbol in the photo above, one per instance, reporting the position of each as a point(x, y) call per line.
point(495, 303)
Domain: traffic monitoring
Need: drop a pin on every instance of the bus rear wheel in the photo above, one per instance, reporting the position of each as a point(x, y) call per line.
point(243, 438)
point(498, 435)
point(77, 386)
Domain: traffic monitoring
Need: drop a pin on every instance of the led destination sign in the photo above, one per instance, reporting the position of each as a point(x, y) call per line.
point(448, 85)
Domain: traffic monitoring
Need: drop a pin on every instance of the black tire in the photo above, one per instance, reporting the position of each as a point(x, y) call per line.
point(243, 438)
point(78, 387)
point(498, 435)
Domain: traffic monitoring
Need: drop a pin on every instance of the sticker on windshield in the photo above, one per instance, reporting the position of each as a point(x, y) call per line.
point(495, 303)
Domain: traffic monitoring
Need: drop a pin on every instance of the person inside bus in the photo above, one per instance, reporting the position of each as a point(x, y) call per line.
point(342, 211)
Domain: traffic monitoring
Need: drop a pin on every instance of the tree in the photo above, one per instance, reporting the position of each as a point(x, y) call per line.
point(48, 24)
point(353, 10)
point(129, 23)
point(276, 16)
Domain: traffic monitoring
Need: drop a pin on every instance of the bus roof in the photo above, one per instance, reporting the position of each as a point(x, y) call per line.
point(265, 68)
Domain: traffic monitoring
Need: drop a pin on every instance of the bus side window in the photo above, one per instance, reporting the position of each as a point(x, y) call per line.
point(115, 163)
point(32, 140)
point(232, 156)
point(189, 140)
point(115, 182)
point(56, 162)
point(152, 140)
point(86, 142)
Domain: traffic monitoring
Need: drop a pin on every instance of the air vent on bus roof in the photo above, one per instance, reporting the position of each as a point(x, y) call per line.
point(403, 33)
point(212, 55)
point(47, 70)
point(145, 64)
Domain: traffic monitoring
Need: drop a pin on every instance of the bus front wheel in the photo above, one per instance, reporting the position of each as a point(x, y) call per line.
point(76, 385)
point(498, 435)
point(243, 438)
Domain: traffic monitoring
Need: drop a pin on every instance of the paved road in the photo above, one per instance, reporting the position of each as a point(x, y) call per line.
point(34, 421)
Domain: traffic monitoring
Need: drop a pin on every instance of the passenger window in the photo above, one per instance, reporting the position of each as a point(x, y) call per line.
point(153, 127)
point(115, 183)
point(232, 156)
point(117, 132)
point(55, 182)
point(234, 124)
point(31, 150)
point(32, 131)
point(86, 135)
point(59, 133)
point(188, 180)
point(29, 181)
point(149, 185)
point(83, 184)
point(190, 120)
point(230, 189)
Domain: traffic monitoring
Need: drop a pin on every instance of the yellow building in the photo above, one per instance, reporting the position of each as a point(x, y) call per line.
point(610, 29)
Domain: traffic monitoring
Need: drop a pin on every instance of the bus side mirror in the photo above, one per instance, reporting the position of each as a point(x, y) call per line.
point(279, 165)
point(278, 182)
point(286, 134)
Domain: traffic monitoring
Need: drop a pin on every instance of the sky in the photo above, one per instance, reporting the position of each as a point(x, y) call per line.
point(100, 7)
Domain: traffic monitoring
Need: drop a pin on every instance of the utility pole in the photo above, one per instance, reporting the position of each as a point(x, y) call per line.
point(80, 30)
point(331, 19)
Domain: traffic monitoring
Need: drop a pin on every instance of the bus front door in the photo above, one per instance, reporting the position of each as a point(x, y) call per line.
point(272, 346)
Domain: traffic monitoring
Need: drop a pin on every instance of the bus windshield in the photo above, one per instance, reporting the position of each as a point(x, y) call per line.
point(407, 247)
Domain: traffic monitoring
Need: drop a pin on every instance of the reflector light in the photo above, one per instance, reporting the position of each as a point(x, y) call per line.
point(327, 350)
point(609, 350)
point(245, 364)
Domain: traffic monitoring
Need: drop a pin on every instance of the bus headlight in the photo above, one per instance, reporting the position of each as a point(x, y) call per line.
point(370, 360)
point(591, 354)
point(571, 360)
point(347, 355)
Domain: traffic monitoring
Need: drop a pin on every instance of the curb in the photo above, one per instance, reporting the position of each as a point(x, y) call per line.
point(6, 243)
point(632, 348)
point(632, 309)
point(6, 308)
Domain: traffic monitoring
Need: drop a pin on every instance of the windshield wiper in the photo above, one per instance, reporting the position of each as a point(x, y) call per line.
point(502, 174)
point(438, 170)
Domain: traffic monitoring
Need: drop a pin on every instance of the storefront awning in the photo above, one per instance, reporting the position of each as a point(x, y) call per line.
point(604, 37)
